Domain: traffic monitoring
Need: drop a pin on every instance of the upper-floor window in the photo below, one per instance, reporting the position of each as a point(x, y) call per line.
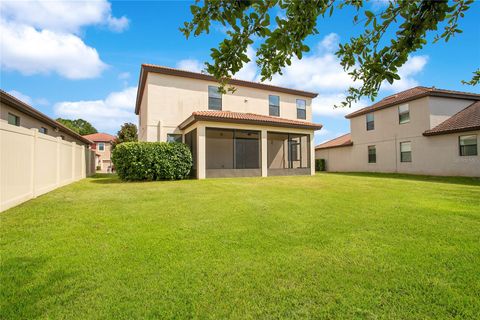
point(43, 130)
point(403, 114)
point(406, 151)
point(274, 106)
point(62, 137)
point(301, 109)
point(214, 98)
point(370, 121)
point(372, 154)
point(468, 145)
point(13, 119)
point(101, 146)
point(174, 137)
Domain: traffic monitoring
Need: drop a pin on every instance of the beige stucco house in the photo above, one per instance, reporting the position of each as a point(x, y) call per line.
point(16, 112)
point(419, 131)
point(102, 145)
point(258, 130)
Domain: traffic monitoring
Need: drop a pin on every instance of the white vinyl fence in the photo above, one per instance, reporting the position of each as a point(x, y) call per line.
point(32, 163)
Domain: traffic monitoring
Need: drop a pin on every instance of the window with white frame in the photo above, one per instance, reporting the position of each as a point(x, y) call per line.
point(14, 120)
point(370, 121)
point(406, 151)
point(403, 114)
point(274, 106)
point(214, 98)
point(101, 146)
point(468, 145)
point(171, 137)
point(372, 154)
point(43, 130)
point(301, 109)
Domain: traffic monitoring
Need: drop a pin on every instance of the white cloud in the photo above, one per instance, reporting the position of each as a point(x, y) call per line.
point(45, 36)
point(124, 75)
point(104, 114)
point(412, 67)
point(190, 65)
point(324, 105)
point(27, 99)
point(62, 16)
point(30, 51)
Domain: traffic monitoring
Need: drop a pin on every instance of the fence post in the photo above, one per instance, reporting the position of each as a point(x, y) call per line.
point(84, 167)
point(73, 161)
point(32, 163)
point(59, 141)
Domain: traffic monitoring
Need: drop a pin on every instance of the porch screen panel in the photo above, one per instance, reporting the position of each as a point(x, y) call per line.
point(219, 148)
point(247, 149)
point(288, 151)
point(277, 150)
point(191, 142)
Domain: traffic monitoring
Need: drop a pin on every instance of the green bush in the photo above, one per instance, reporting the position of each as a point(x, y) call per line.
point(320, 165)
point(152, 161)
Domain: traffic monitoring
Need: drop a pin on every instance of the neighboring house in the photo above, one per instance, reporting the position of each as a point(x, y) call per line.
point(102, 144)
point(258, 130)
point(420, 131)
point(16, 112)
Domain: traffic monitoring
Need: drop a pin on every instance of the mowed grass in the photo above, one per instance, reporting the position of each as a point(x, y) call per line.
point(330, 246)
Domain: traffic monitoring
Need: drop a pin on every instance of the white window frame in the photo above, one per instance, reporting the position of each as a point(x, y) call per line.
point(103, 146)
point(403, 112)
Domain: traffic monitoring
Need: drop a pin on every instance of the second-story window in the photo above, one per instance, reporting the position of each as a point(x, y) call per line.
point(214, 98)
point(403, 114)
point(370, 121)
point(101, 146)
point(43, 130)
point(274, 106)
point(13, 119)
point(301, 109)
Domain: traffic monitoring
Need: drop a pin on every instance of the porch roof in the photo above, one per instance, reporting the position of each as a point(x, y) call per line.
point(247, 118)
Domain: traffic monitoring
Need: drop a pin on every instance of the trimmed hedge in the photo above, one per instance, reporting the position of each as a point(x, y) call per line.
point(320, 165)
point(152, 161)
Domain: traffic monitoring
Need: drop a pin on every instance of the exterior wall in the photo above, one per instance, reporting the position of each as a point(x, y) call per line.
point(104, 159)
point(201, 143)
point(434, 155)
point(169, 100)
point(32, 163)
point(29, 122)
point(443, 108)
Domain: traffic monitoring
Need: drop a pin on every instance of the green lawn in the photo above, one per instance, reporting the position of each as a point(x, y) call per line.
point(331, 246)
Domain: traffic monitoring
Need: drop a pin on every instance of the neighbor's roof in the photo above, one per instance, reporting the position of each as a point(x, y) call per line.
point(247, 118)
point(342, 141)
point(413, 94)
point(100, 137)
point(467, 119)
point(146, 68)
point(34, 113)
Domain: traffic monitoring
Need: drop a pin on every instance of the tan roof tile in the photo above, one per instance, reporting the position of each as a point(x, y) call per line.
point(342, 141)
point(99, 137)
point(250, 118)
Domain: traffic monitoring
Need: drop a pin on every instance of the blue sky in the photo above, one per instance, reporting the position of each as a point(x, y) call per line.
point(74, 59)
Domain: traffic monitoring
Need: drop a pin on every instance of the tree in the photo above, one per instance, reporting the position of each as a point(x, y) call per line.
point(375, 55)
point(80, 126)
point(127, 133)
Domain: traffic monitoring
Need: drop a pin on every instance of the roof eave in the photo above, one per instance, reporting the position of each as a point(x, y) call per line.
point(331, 147)
point(457, 130)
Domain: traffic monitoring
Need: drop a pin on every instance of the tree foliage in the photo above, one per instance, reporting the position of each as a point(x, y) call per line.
point(128, 133)
point(80, 126)
point(369, 58)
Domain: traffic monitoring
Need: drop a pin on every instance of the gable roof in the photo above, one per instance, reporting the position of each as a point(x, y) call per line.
point(34, 113)
point(100, 137)
point(413, 94)
point(146, 68)
point(249, 118)
point(342, 141)
point(467, 119)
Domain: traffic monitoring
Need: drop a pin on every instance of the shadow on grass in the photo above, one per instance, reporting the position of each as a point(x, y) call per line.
point(28, 292)
point(438, 179)
point(105, 178)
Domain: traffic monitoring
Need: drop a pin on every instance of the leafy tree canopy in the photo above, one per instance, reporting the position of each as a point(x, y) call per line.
point(128, 133)
point(387, 37)
point(80, 126)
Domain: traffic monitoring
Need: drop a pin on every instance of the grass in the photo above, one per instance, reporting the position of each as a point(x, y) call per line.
point(331, 246)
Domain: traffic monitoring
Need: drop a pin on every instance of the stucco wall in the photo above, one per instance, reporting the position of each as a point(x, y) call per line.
point(29, 122)
point(172, 99)
point(434, 155)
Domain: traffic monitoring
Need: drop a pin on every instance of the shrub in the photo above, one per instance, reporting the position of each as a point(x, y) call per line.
point(152, 161)
point(320, 165)
point(99, 168)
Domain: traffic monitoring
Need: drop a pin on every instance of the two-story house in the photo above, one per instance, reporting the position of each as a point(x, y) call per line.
point(102, 145)
point(420, 131)
point(258, 130)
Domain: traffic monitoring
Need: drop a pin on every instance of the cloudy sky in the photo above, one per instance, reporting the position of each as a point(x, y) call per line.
point(76, 59)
